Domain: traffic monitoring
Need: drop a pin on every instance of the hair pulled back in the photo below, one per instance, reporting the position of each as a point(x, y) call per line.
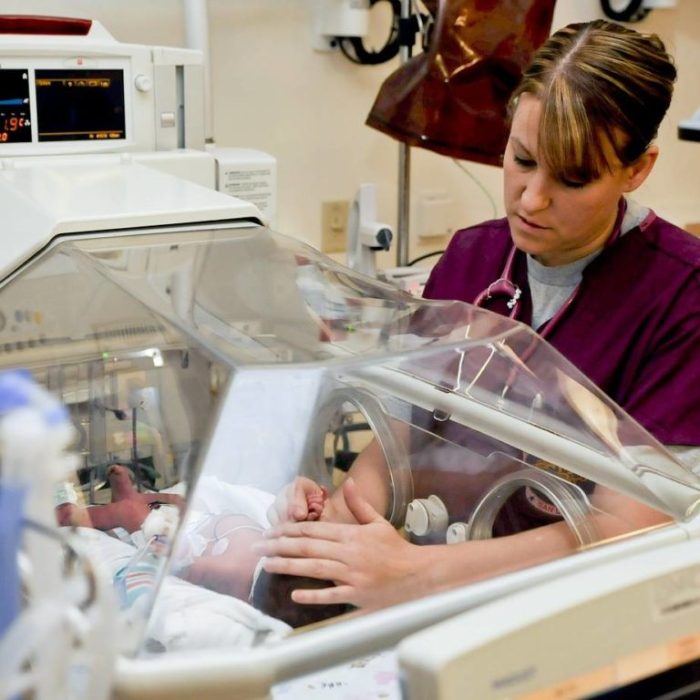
point(599, 83)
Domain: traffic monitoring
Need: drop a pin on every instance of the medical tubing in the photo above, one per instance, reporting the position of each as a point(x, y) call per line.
point(570, 501)
point(12, 499)
point(20, 426)
point(236, 528)
point(670, 495)
point(42, 620)
point(64, 620)
point(95, 618)
point(34, 437)
point(395, 454)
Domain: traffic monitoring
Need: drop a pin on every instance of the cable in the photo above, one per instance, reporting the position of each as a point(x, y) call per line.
point(354, 49)
point(424, 257)
point(633, 12)
point(479, 184)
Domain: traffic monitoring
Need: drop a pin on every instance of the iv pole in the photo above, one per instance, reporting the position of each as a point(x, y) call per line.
point(196, 23)
point(404, 194)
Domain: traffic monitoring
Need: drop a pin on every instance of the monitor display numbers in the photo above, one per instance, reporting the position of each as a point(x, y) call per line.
point(80, 105)
point(15, 126)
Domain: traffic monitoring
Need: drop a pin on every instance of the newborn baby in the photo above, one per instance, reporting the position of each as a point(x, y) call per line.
point(214, 548)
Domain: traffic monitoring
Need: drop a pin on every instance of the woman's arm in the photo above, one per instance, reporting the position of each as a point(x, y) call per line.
point(370, 474)
point(372, 566)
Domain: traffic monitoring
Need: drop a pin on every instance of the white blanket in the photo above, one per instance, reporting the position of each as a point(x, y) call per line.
point(186, 616)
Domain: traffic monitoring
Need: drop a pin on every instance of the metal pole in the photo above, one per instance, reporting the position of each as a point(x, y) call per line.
point(197, 37)
point(404, 202)
point(402, 231)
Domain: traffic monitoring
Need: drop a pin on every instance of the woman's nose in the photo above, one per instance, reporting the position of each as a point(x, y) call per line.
point(535, 195)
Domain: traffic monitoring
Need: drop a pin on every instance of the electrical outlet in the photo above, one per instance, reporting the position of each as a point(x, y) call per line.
point(334, 226)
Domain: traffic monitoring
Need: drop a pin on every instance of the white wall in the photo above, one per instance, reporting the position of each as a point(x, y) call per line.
point(272, 91)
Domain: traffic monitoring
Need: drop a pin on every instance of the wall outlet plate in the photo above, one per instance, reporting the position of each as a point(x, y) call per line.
point(334, 226)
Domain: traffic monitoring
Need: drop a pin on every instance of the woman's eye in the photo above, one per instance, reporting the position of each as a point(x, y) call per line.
point(573, 184)
point(524, 162)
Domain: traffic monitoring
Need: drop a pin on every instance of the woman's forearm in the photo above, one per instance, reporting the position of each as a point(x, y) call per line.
point(371, 475)
point(447, 566)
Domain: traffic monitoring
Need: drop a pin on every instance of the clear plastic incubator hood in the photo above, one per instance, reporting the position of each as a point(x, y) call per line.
point(207, 364)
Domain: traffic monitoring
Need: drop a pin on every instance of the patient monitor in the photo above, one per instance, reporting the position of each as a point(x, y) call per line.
point(68, 87)
point(206, 361)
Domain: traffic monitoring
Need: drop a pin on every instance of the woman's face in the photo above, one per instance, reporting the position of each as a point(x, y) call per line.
point(557, 221)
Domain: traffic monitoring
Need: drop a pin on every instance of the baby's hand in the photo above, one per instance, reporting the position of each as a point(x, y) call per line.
point(315, 502)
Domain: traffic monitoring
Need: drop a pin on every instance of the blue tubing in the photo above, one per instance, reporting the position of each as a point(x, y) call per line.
point(11, 514)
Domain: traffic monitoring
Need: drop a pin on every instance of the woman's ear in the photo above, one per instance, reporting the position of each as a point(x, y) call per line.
point(638, 171)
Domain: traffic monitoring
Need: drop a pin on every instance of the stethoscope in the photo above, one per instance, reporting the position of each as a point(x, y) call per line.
point(506, 289)
point(503, 288)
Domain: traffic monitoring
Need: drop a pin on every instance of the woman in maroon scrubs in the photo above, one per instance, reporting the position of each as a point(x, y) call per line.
point(612, 286)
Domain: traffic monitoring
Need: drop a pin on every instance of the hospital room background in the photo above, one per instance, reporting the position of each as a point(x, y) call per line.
point(272, 91)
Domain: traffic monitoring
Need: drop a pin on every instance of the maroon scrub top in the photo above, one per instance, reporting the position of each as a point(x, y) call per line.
point(633, 327)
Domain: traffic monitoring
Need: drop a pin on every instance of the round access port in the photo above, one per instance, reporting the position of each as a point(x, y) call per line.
point(347, 420)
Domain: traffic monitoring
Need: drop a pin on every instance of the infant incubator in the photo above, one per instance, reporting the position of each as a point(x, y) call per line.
point(205, 361)
point(206, 365)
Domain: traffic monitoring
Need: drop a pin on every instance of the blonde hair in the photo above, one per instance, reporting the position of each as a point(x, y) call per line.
point(599, 83)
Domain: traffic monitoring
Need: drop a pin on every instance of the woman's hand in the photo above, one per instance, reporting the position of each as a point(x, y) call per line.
point(370, 563)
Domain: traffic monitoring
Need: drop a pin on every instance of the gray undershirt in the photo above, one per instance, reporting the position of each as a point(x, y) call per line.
point(550, 287)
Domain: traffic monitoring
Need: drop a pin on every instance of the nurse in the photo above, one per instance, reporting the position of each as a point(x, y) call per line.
point(611, 285)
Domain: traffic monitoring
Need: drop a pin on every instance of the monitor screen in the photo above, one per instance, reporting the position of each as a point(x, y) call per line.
point(15, 126)
point(80, 105)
